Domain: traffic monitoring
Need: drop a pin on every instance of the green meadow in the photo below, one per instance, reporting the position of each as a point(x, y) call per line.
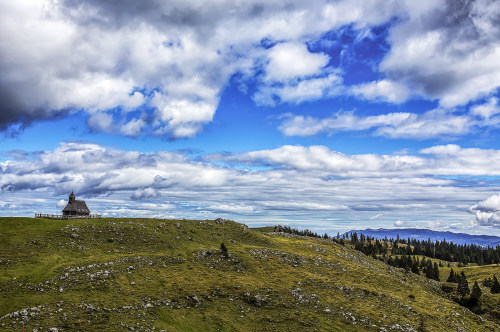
point(152, 275)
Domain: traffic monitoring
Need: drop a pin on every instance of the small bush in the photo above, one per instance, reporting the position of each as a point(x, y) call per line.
point(447, 288)
point(223, 250)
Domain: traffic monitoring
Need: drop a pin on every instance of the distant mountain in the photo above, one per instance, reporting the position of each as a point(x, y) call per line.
point(425, 234)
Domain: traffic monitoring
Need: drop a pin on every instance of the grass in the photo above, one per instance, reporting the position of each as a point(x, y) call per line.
point(118, 274)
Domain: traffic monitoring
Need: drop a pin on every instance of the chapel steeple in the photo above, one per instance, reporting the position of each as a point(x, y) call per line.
point(71, 198)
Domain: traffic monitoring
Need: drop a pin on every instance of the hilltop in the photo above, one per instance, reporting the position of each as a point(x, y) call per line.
point(425, 234)
point(148, 274)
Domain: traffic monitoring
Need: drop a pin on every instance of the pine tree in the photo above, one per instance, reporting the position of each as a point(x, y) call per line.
point(463, 286)
point(394, 249)
point(429, 272)
point(390, 261)
point(476, 293)
point(414, 267)
point(436, 272)
point(452, 277)
point(495, 289)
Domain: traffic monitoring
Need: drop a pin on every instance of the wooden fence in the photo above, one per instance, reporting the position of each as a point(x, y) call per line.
point(61, 217)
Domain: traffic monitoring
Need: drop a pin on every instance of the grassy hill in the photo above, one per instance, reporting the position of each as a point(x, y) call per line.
point(146, 274)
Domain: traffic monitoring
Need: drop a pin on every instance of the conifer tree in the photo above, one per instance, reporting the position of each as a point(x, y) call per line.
point(429, 271)
point(423, 263)
point(495, 289)
point(463, 286)
point(452, 277)
point(436, 272)
point(394, 249)
point(476, 293)
point(414, 267)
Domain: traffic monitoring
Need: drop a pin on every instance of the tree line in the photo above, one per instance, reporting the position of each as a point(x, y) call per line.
point(443, 250)
point(305, 232)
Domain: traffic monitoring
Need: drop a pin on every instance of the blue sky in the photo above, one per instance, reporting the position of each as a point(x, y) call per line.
point(327, 115)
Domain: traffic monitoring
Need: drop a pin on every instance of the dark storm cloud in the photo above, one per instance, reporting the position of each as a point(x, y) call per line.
point(164, 13)
point(11, 110)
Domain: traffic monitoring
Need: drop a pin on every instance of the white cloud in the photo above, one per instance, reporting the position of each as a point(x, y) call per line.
point(294, 75)
point(487, 110)
point(343, 121)
point(491, 204)
point(441, 160)
point(401, 223)
point(133, 127)
point(62, 203)
point(449, 159)
point(182, 118)
point(431, 124)
point(303, 206)
point(101, 122)
point(436, 224)
point(293, 60)
point(136, 100)
point(144, 193)
point(487, 212)
point(298, 91)
point(384, 90)
point(229, 208)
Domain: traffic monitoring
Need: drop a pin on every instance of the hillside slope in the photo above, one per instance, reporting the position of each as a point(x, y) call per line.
point(145, 274)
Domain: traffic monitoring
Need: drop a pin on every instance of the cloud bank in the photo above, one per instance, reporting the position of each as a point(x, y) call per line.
point(290, 183)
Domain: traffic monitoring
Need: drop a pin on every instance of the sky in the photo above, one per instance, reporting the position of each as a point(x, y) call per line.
point(326, 115)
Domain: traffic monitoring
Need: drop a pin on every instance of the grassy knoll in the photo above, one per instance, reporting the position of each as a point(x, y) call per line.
point(147, 274)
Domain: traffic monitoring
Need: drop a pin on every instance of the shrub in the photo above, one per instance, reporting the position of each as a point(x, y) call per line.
point(223, 250)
